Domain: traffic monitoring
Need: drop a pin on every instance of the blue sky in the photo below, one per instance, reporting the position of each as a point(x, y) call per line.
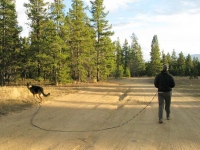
point(175, 22)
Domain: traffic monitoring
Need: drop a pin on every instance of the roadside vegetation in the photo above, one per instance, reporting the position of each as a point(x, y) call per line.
point(9, 106)
point(189, 87)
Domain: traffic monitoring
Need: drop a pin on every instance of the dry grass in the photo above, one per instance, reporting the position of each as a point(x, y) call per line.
point(14, 99)
point(18, 98)
point(8, 106)
point(187, 86)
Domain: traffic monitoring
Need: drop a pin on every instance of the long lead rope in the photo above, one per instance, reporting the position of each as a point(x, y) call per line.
point(108, 128)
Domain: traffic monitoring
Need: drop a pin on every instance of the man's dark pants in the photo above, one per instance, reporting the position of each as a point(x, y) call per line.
point(164, 97)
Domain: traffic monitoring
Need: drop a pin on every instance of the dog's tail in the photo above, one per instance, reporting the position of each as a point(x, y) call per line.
point(45, 95)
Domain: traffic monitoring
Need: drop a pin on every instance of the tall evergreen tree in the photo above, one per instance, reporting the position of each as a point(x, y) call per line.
point(164, 58)
point(25, 58)
point(173, 66)
point(56, 52)
point(91, 53)
point(181, 64)
point(136, 58)
point(119, 59)
point(169, 59)
point(189, 65)
point(81, 42)
point(148, 71)
point(104, 46)
point(9, 41)
point(37, 13)
point(126, 59)
point(155, 63)
point(196, 67)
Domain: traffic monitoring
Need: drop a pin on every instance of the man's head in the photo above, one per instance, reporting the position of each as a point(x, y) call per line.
point(165, 67)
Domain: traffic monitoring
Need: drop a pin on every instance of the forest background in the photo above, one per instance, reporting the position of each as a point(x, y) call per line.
point(64, 47)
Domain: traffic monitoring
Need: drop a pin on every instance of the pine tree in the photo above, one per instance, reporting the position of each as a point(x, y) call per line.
point(140, 62)
point(138, 65)
point(37, 12)
point(164, 58)
point(189, 65)
point(90, 53)
point(174, 68)
point(56, 52)
point(169, 61)
point(25, 58)
point(9, 41)
point(104, 46)
point(119, 60)
point(148, 71)
point(196, 68)
point(181, 64)
point(155, 64)
point(81, 42)
point(126, 59)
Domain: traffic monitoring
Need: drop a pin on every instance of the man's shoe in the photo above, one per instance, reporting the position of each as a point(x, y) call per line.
point(168, 118)
point(160, 121)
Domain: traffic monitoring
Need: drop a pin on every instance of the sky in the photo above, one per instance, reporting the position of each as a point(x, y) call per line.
point(175, 22)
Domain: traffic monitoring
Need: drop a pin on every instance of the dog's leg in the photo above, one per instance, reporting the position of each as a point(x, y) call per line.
point(35, 97)
point(40, 98)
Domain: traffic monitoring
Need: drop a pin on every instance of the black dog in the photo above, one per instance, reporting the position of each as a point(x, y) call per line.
point(37, 91)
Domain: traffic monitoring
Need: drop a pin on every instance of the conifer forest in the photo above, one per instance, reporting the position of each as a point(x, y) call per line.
point(69, 45)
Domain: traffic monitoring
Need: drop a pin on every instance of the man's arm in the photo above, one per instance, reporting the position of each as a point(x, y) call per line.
point(156, 81)
point(172, 82)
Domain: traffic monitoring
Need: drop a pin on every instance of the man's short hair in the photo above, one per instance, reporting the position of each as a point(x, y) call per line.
point(165, 67)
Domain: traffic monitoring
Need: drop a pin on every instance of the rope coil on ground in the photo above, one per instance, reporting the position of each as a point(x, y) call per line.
point(108, 128)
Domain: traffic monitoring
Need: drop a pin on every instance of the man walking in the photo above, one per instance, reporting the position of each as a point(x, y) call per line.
point(164, 82)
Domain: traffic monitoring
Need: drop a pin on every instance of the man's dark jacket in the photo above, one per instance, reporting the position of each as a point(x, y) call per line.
point(164, 82)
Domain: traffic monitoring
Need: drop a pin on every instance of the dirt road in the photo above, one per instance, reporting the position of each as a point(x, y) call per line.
point(115, 116)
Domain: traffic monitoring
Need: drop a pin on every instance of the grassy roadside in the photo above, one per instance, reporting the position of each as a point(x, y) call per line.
point(14, 99)
point(11, 105)
point(19, 98)
point(187, 86)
